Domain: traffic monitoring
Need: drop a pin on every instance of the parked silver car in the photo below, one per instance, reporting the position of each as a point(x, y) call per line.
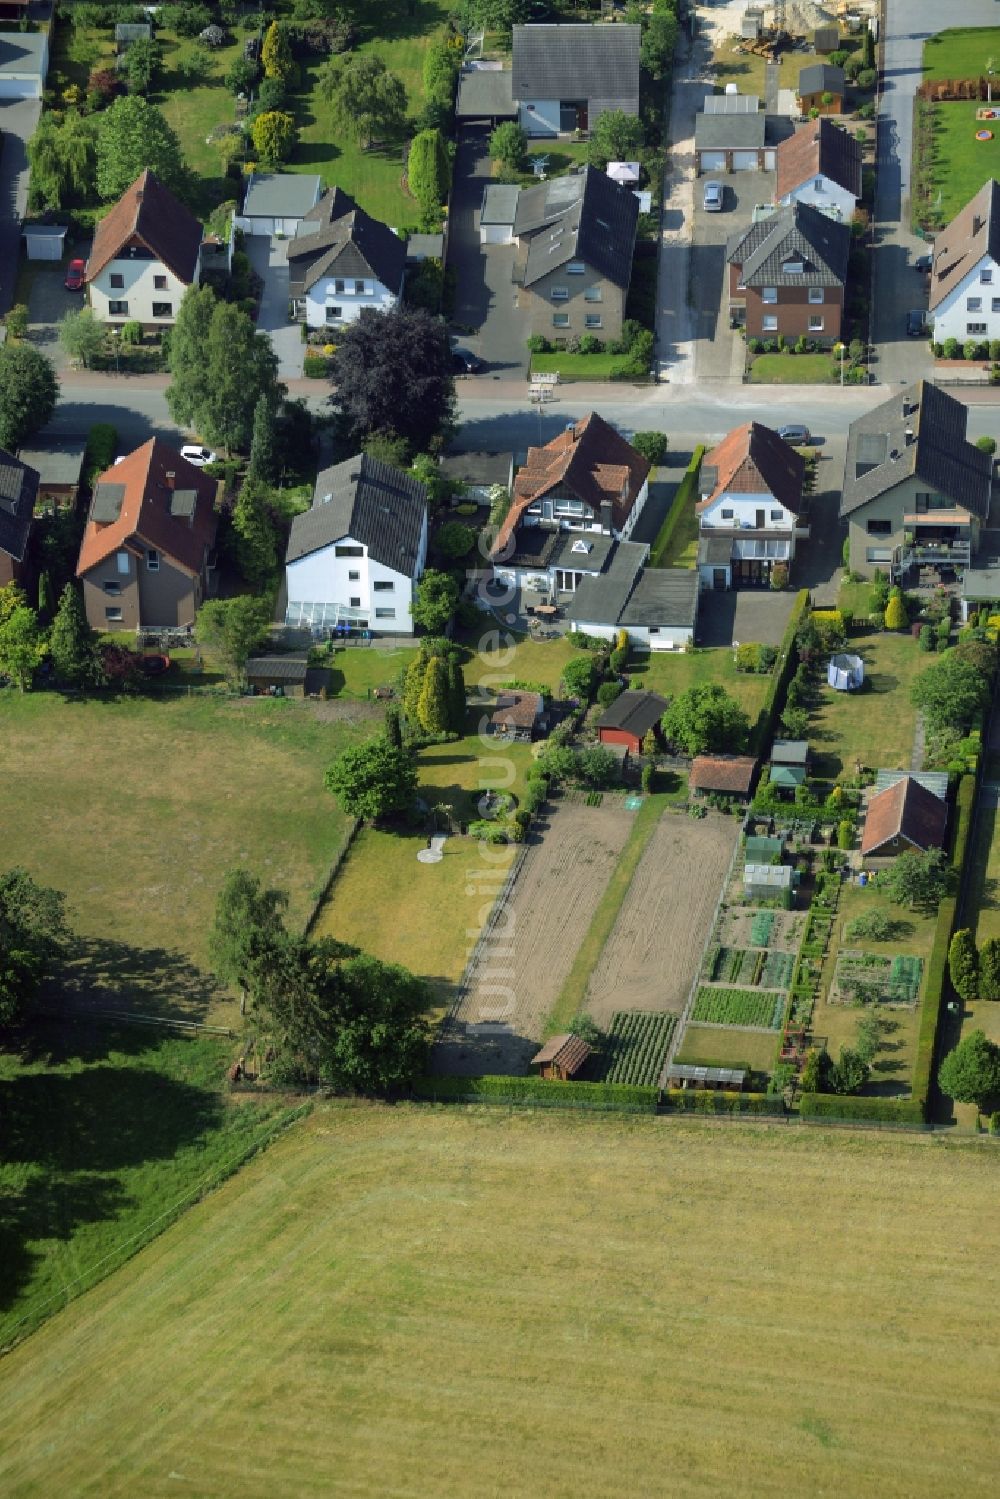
point(713, 197)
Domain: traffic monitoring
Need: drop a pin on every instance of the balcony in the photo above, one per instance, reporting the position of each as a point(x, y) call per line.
point(932, 554)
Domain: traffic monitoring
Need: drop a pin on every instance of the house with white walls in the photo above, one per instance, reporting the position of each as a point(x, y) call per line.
point(964, 299)
point(355, 556)
point(748, 514)
point(146, 253)
point(340, 261)
point(564, 78)
point(820, 165)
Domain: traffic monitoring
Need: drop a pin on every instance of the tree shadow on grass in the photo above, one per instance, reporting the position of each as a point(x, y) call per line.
point(102, 973)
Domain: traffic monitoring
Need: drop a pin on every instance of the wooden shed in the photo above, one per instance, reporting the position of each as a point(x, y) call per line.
point(730, 1079)
point(278, 675)
point(561, 1057)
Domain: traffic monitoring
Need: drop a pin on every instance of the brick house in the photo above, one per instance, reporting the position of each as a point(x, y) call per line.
point(820, 165)
point(788, 274)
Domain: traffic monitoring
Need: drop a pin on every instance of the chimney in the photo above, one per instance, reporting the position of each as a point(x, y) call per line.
point(606, 513)
point(977, 225)
point(171, 479)
point(909, 436)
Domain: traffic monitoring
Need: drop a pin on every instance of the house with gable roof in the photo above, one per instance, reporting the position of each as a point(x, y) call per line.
point(565, 77)
point(18, 491)
point(355, 556)
point(964, 295)
point(820, 165)
point(748, 513)
point(788, 275)
point(340, 261)
point(146, 253)
point(146, 560)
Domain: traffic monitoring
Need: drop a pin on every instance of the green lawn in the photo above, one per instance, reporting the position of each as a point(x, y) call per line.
point(563, 156)
point(794, 369)
point(357, 670)
point(722, 1046)
point(529, 660)
point(137, 808)
point(748, 71)
point(671, 673)
point(682, 548)
point(962, 52)
point(961, 163)
point(855, 599)
point(876, 724)
point(106, 1130)
point(579, 366)
point(983, 894)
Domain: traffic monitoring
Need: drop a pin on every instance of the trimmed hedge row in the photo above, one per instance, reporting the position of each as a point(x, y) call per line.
point(850, 1106)
point(783, 673)
point(707, 1101)
point(545, 1091)
point(685, 491)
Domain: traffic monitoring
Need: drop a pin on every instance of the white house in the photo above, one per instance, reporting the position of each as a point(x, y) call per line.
point(341, 261)
point(276, 202)
point(657, 607)
point(964, 296)
point(355, 556)
point(146, 253)
point(820, 165)
point(748, 514)
point(565, 77)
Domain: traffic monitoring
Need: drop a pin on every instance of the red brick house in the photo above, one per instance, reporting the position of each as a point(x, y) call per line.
point(788, 274)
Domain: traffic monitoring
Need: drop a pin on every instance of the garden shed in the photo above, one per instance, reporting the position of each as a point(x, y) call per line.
point(730, 775)
point(44, 241)
point(768, 881)
point(787, 777)
point(682, 1075)
point(561, 1057)
point(285, 674)
point(790, 752)
point(845, 673)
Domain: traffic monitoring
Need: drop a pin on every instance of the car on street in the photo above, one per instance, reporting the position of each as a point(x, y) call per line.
point(916, 323)
point(74, 275)
point(712, 198)
point(795, 432)
point(923, 263)
point(196, 454)
point(464, 363)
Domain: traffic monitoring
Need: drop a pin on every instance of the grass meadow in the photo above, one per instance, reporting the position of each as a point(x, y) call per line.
point(418, 1300)
point(876, 724)
point(961, 163)
point(962, 52)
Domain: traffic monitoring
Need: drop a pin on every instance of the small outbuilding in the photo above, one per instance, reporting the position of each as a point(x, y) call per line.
point(787, 777)
point(768, 881)
point(518, 715)
point(845, 673)
point(277, 202)
point(478, 472)
point(561, 1057)
point(762, 850)
point(905, 816)
point(790, 752)
point(278, 674)
point(728, 775)
point(682, 1075)
point(629, 719)
point(58, 460)
point(822, 87)
point(44, 241)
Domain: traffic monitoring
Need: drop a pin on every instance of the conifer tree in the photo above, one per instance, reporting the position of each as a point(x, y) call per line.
point(432, 709)
point(412, 688)
point(73, 644)
point(456, 697)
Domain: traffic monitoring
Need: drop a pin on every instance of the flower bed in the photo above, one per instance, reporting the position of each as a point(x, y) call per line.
point(870, 977)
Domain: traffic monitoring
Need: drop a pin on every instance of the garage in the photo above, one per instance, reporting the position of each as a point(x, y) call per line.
point(276, 202)
point(745, 161)
point(44, 241)
point(24, 62)
point(712, 161)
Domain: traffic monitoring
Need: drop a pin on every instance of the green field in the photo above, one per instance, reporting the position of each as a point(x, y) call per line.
point(106, 1131)
point(136, 809)
point(962, 52)
point(794, 369)
point(961, 164)
point(673, 672)
point(721, 1046)
point(876, 724)
point(378, 1306)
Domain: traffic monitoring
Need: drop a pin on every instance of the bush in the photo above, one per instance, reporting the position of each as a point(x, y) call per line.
point(866, 79)
point(590, 344)
point(850, 1106)
point(845, 835)
point(927, 638)
point(779, 576)
point(131, 333)
point(102, 444)
point(987, 444)
point(539, 344)
point(315, 366)
point(618, 660)
point(652, 446)
point(950, 348)
point(866, 111)
point(536, 1090)
point(607, 692)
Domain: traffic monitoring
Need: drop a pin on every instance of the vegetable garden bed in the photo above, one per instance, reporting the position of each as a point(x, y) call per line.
point(749, 967)
point(636, 1046)
point(870, 978)
point(723, 1006)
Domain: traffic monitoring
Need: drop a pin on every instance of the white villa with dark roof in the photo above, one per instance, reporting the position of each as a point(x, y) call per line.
point(340, 261)
point(355, 556)
point(964, 297)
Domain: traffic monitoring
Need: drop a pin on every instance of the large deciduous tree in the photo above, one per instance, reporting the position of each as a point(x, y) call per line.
point(63, 160)
point(220, 367)
point(971, 1073)
point(247, 927)
point(32, 932)
point(133, 135)
point(378, 1036)
point(951, 692)
point(22, 646)
point(256, 534)
point(706, 720)
point(916, 879)
point(435, 601)
point(369, 102)
point(373, 780)
point(28, 393)
point(963, 964)
point(508, 145)
point(616, 136)
point(393, 375)
point(231, 630)
point(81, 335)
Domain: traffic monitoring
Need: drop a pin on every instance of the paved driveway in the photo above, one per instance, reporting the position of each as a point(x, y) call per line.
point(18, 118)
point(49, 301)
point(740, 616)
point(269, 259)
point(719, 351)
point(486, 297)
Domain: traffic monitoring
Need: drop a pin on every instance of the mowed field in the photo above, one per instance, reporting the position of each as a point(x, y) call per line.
point(427, 1302)
point(656, 944)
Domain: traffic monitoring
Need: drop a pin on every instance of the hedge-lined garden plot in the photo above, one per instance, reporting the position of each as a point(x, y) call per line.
point(870, 978)
point(736, 928)
point(636, 1046)
point(738, 1007)
point(749, 966)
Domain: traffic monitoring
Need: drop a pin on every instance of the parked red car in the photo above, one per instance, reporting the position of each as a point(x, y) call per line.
point(74, 276)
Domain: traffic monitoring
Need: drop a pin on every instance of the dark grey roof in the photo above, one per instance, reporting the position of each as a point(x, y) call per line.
point(566, 553)
point(424, 247)
point(731, 104)
point(600, 600)
point(822, 78)
point(938, 452)
point(373, 503)
point(795, 233)
point(586, 216)
point(58, 460)
point(790, 752)
point(663, 596)
point(500, 203)
point(935, 781)
point(577, 62)
point(106, 505)
point(729, 132)
point(280, 668)
point(336, 238)
point(23, 52)
point(637, 712)
point(281, 195)
point(478, 468)
point(18, 489)
point(485, 94)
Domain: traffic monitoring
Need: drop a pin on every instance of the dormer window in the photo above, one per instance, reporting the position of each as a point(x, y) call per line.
point(581, 546)
point(793, 267)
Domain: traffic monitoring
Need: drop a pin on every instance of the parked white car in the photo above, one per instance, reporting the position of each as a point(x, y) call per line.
point(196, 454)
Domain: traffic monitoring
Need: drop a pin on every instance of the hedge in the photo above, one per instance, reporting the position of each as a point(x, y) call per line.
point(851, 1106)
point(102, 444)
point(685, 490)
point(545, 1091)
point(707, 1101)
point(783, 673)
point(965, 798)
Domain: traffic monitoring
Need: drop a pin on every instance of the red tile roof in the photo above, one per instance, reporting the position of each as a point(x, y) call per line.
point(753, 459)
point(149, 212)
point(733, 773)
point(568, 1052)
point(517, 709)
point(908, 811)
point(590, 460)
point(145, 519)
point(819, 147)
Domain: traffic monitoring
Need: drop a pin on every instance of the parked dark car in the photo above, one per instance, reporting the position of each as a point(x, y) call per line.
point(923, 262)
point(916, 323)
point(795, 432)
point(464, 363)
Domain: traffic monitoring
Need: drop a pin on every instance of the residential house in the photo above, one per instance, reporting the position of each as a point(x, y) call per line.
point(355, 556)
point(820, 165)
point(730, 135)
point(277, 202)
point(340, 261)
point(561, 1057)
point(24, 62)
point(916, 491)
point(656, 607)
point(59, 464)
point(727, 775)
point(587, 480)
point(788, 273)
point(518, 715)
point(964, 296)
point(146, 253)
point(565, 77)
point(630, 718)
point(146, 560)
point(822, 86)
point(748, 514)
point(903, 816)
point(575, 238)
point(18, 491)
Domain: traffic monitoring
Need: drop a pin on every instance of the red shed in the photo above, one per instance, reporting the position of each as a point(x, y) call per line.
point(629, 719)
point(562, 1057)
